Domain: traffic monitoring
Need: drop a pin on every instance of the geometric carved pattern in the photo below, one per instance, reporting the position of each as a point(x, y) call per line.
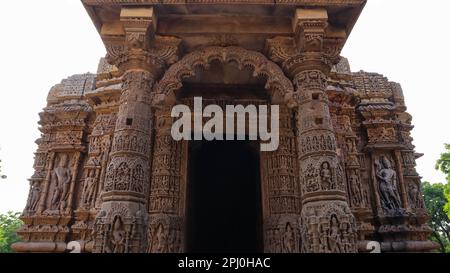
point(166, 168)
point(281, 174)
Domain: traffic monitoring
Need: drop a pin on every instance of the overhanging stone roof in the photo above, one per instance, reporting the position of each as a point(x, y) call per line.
point(233, 16)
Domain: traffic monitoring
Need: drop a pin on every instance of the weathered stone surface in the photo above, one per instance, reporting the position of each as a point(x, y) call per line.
point(110, 176)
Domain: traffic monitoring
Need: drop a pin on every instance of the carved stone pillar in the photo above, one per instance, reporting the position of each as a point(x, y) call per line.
point(121, 224)
point(165, 231)
point(327, 222)
point(282, 192)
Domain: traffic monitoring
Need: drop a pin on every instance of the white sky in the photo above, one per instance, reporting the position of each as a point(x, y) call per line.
point(47, 40)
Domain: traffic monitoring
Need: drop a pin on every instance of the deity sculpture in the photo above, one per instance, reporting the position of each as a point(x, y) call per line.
point(105, 145)
point(118, 235)
point(414, 196)
point(325, 175)
point(160, 245)
point(89, 188)
point(355, 189)
point(347, 124)
point(387, 179)
point(347, 240)
point(334, 236)
point(35, 194)
point(350, 146)
point(61, 177)
point(288, 239)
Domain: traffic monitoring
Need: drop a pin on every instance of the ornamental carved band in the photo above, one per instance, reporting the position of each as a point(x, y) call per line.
point(310, 81)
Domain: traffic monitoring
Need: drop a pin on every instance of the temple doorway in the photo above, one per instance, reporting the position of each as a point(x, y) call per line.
point(224, 211)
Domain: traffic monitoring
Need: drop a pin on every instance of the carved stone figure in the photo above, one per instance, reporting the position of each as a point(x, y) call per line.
point(105, 146)
point(61, 178)
point(326, 176)
point(288, 239)
point(35, 195)
point(356, 192)
point(387, 178)
point(89, 188)
point(334, 236)
point(351, 146)
point(118, 236)
point(415, 197)
point(160, 240)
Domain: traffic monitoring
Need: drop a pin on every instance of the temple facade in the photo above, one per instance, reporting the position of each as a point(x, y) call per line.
point(110, 177)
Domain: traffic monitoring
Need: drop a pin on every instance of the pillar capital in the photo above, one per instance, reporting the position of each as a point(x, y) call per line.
point(131, 42)
point(308, 58)
point(139, 25)
point(315, 46)
point(309, 26)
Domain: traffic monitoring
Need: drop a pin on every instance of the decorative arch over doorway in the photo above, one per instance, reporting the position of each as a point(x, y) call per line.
point(278, 85)
point(280, 191)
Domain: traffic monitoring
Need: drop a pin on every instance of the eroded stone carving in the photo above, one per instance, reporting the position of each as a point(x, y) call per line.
point(61, 179)
point(415, 195)
point(387, 179)
point(35, 195)
point(90, 183)
point(109, 176)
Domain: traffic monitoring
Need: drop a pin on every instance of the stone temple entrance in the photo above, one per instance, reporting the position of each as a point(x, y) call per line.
point(224, 213)
point(107, 145)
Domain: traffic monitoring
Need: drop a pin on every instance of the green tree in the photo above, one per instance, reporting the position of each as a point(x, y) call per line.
point(443, 163)
point(9, 224)
point(435, 202)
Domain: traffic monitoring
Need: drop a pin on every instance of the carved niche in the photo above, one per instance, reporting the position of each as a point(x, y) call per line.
point(388, 183)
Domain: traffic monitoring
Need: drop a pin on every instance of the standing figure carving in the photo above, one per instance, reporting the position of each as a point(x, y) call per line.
point(355, 190)
point(387, 179)
point(160, 245)
point(61, 177)
point(415, 196)
point(289, 239)
point(118, 236)
point(326, 176)
point(35, 195)
point(334, 236)
point(89, 188)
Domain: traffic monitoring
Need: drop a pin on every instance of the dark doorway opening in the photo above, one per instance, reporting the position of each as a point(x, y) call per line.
point(224, 212)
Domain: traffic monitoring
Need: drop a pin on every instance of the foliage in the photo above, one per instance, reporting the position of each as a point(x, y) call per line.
point(435, 201)
point(9, 224)
point(443, 164)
